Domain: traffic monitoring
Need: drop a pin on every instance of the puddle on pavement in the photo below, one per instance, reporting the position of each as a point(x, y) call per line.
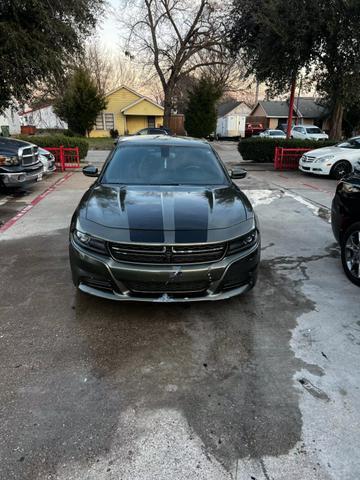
point(226, 366)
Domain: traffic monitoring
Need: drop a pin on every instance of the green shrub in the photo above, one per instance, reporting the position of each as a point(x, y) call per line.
point(58, 140)
point(262, 150)
point(54, 131)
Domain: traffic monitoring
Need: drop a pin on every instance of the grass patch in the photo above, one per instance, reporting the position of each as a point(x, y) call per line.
point(106, 143)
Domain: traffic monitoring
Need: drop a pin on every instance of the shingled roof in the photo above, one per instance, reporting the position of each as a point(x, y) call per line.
point(305, 107)
point(226, 107)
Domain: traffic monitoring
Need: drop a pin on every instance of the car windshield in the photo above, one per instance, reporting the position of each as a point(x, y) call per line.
point(352, 143)
point(164, 165)
point(313, 130)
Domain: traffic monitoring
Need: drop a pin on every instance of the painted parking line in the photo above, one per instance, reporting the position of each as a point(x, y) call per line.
point(315, 187)
point(34, 202)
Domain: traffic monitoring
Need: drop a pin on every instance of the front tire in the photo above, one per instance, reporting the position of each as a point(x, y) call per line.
point(350, 253)
point(340, 169)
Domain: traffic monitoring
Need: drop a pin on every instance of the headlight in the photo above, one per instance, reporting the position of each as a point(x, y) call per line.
point(14, 160)
point(324, 159)
point(89, 242)
point(242, 243)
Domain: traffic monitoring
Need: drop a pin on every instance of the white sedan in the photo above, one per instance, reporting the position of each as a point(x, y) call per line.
point(308, 132)
point(336, 161)
point(48, 161)
point(273, 134)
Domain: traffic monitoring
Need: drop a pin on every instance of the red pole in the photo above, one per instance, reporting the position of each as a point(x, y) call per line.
point(291, 108)
point(62, 158)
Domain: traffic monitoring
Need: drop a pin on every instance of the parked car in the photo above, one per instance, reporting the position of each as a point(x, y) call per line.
point(308, 132)
point(164, 222)
point(269, 133)
point(19, 163)
point(345, 220)
point(336, 161)
point(154, 131)
point(253, 129)
point(48, 161)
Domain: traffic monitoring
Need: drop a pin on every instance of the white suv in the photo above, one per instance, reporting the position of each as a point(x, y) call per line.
point(308, 132)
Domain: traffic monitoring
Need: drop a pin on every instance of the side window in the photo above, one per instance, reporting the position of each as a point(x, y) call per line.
point(144, 131)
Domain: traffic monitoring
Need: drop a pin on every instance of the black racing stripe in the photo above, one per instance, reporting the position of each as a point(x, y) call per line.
point(147, 236)
point(191, 236)
point(191, 219)
point(145, 219)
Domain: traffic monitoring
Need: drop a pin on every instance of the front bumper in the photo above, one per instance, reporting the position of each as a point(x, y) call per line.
point(106, 278)
point(21, 178)
point(312, 167)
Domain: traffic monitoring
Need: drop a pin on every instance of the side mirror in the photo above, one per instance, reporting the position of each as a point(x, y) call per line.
point(237, 173)
point(90, 171)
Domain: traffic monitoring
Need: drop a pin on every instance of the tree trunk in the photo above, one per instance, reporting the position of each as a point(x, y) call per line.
point(336, 121)
point(167, 111)
point(168, 103)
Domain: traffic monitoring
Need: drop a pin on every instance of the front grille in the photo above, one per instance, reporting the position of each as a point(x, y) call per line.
point(307, 159)
point(167, 287)
point(176, 254)
point(29, 155)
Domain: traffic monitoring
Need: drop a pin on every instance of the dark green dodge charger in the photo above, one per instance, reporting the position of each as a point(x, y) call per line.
point(164, 222)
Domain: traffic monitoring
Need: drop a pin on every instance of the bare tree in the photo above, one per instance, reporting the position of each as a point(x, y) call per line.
point(98, 62)
point(111, 70)
point(179, 36)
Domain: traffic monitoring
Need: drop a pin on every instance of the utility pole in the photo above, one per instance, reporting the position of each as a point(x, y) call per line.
point(257, 92)
point(291, 108)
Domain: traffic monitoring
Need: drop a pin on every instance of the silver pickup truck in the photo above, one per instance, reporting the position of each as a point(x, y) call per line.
point(19, 163)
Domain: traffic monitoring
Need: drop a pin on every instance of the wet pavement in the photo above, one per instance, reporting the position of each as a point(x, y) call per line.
point(263, 386)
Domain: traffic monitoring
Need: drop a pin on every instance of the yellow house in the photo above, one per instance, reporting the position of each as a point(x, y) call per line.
point(128, 112)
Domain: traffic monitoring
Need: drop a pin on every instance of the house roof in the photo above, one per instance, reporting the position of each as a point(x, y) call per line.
point(142, 99)
point(310, 108)
point(305, 107)
point(226, 107)
point(34, 109)
point(126, 88)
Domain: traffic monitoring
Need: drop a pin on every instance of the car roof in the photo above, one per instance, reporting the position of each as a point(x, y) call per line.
point(162, 140)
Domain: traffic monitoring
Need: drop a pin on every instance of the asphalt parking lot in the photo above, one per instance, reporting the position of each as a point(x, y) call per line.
point(259, 387)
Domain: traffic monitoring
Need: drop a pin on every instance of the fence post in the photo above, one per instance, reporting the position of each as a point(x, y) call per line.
point(77, 156)
point(62, 158)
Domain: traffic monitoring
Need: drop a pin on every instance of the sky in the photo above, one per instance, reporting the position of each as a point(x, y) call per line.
point(108, 29)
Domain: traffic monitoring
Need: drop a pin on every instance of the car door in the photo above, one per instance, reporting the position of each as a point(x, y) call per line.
point(299, 132)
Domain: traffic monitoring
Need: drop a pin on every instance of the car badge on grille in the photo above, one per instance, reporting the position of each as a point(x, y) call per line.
point(168, 254)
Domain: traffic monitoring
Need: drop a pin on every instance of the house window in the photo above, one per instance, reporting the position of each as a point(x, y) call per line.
point(151, 122)
point(105, 121)
point(109, 121)
point(99, 124)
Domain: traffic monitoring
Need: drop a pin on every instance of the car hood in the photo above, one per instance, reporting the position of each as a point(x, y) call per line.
point(10, 146)
point(165, 214)
point(322, 152)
